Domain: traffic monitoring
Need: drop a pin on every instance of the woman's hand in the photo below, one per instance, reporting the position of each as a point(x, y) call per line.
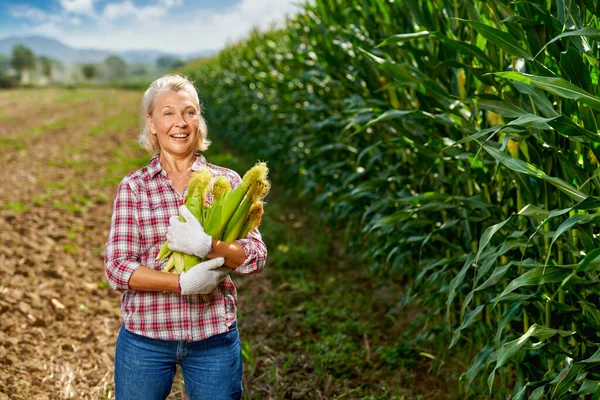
point(189, 236)
point(203, 278)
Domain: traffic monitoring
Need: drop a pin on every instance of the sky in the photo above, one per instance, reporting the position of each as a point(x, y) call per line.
point(175, 26)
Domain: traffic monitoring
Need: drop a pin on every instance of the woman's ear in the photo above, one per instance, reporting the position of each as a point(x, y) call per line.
point(150, 124)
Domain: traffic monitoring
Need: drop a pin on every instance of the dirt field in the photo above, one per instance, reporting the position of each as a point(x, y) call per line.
point(58, 319)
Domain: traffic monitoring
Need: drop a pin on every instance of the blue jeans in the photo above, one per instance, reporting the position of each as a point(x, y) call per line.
point(145, 367)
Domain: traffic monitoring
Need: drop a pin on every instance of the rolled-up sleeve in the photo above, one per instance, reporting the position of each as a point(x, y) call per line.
point(121, 257)
point(256, 253)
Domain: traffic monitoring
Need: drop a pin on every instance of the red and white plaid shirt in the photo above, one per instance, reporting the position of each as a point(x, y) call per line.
point(144, 202)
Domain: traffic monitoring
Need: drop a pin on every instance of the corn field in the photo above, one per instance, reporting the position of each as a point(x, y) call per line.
point(457, 144)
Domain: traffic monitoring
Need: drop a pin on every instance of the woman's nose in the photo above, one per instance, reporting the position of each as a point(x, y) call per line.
point(181, 122)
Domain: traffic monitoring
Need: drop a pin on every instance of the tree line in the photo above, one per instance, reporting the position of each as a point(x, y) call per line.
point(23, 67)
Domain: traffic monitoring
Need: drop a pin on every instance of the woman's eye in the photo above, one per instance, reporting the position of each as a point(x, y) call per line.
point(168, 113)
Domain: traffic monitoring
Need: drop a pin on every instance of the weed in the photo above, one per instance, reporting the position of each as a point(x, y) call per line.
point(12, 143)
point(17, 206)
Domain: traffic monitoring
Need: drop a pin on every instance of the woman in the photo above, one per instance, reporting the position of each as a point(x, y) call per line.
point(187, 319)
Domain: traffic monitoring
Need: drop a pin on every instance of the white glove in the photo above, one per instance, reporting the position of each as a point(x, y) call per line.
point(189, 236)
point(204, 277)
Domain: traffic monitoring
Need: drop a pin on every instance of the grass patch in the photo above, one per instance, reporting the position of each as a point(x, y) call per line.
point(40, 130)
point(75, 95)
point(41, 200)
point(55, 185)
point(75, 165)
point(12, 143)
point(116, 171)
point(71, 207)
point(117, 123)
point(17, 206)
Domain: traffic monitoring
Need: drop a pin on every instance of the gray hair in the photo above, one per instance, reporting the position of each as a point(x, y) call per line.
point(162, 85)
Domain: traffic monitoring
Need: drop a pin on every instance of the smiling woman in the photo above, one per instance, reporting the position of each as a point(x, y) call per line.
point(187, 319)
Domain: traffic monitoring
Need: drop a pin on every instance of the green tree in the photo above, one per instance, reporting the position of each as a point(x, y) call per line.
point(5, 63)
point(89, 71)
point(169, 62)
point(22, 58)
point(115, 68)
point(46, 64)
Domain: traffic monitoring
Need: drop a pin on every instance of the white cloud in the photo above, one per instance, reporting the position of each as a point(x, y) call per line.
point(127, 9)
point(79, 7)
point(160, 25)
point(51, 29)
point(28, 12)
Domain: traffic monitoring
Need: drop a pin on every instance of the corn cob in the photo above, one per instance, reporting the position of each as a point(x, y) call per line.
point(232, 215)
point(253, 220)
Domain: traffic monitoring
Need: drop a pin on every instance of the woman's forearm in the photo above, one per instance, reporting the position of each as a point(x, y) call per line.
point(145, 278)
point(232, 252)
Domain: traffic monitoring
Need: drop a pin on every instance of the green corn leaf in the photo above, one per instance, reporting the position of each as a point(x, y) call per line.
point(539, 98)
point(557, 86)
point(535, 276)
point(489, 232)
point(508, 315)
point(498, 274)
point(575, 69)
point(501, 107)
point(529, 169)
point(594, 358)
point(565, 226)
point(532, 121)
point(401, 38)
point(470, 319)
point(389, 114)
point(587, 260)
point(391, 220)
point(398, 72)
point(566, 379)
point(456, 282)
point(587, 387)
point(538, 393)
point(479, 363)
point(535, 212)
point(591, 33)
point(467, 49)
point(503, 40)
point(510, 349)
point(489, 133)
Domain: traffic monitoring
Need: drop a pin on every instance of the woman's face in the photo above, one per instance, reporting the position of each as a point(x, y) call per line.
point(174, 121)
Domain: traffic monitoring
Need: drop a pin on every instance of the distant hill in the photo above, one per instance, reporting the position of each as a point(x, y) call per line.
point(43, 46)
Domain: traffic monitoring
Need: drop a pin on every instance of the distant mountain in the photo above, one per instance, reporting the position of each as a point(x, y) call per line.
point(43, 46)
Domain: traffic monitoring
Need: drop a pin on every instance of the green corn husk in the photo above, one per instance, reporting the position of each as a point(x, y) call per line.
point(221, 189)
point(232, 215)
point(234, 199)
point(253, 220)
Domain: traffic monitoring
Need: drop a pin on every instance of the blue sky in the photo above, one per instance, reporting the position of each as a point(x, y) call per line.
point(179, 26)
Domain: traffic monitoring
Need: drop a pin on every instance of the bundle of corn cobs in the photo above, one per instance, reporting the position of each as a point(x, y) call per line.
point(231, 216)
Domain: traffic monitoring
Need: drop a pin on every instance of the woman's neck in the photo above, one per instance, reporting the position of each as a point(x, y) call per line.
point(171, 163)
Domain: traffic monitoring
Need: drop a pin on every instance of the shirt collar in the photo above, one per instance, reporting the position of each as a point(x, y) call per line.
point(154, 166)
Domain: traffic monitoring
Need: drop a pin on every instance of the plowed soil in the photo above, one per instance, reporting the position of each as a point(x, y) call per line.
point(58, 319)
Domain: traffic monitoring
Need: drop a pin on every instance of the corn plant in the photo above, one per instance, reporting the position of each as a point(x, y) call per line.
point(457, 144)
